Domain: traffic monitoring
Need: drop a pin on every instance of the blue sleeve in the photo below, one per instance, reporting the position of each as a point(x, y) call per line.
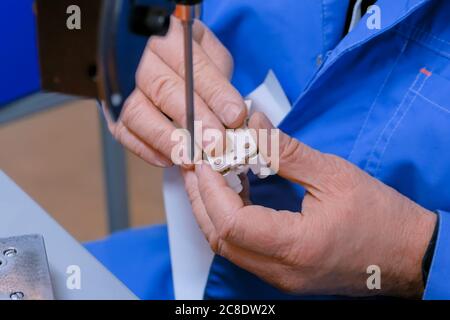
point(146, 268)
point(438, 284)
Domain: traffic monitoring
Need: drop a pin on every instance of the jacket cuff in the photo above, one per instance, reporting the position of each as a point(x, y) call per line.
point(438, 284)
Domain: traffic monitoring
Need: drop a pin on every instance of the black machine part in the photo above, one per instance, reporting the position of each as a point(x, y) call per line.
point(68, 58)
point(147, 20)
point(86, 62)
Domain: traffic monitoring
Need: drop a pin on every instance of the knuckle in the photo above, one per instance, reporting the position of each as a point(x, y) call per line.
point(159, 139)
point(143, 71)
point(162, 89)
point(292, 151)
point(213, 241)
point(217, 96)
point(226, 228)
point(131, 101)
point(119, 133)
point(220, 247)
point(288, 250)
point(133, 112)
point(200, 64)
point(153, 44)
point(141, 76)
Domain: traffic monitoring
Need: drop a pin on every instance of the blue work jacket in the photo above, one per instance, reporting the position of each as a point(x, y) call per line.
point(379, 98)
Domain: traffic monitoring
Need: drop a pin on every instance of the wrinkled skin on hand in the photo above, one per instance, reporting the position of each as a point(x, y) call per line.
point(145, 125)
point(349, 221)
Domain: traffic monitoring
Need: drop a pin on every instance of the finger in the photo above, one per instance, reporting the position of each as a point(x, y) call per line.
point(245, 193)
point(262, 230)
point(210, 83)
point(215, 50)
point(139, 147)
point(146, 122)
point(165, 89)
point(198, 208)
point(264, 267)
point(260, 265)
point(134, 144)
point(296, 161)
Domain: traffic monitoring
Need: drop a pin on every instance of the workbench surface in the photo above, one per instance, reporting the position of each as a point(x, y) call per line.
point(20, 215)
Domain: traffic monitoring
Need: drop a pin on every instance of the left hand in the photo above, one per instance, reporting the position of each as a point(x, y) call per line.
point(349, 221)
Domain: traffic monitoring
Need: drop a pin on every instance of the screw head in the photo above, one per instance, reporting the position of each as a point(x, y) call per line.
point(10, 252)
point(116, 99)
point(17, 295)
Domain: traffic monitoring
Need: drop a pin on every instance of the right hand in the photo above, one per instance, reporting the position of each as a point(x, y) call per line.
point(144, 126)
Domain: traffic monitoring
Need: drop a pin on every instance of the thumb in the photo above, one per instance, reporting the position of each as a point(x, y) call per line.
point(297, 162)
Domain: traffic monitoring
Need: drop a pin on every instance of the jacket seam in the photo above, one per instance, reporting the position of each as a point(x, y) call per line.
point(371, 162)
point(372, 107)
point(413, 99)
point(432, 103)
point(425, 39)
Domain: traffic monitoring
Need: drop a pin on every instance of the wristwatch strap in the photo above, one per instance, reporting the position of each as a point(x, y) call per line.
point(428, 257)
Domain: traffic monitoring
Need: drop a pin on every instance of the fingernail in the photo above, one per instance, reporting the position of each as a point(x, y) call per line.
point(163, 163)
point(187, 166)
point(232, 115)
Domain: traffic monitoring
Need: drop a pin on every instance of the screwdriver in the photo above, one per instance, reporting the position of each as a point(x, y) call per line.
point(187, 13)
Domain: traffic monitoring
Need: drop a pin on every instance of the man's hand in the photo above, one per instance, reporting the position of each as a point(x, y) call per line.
point(349, 221)
point(144, 126)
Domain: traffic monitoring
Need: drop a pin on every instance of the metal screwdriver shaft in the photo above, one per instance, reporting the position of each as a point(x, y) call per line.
point(189, 78)
point(187, 11)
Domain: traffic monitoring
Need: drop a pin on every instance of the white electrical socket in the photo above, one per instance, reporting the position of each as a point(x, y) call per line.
point(241, 155)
